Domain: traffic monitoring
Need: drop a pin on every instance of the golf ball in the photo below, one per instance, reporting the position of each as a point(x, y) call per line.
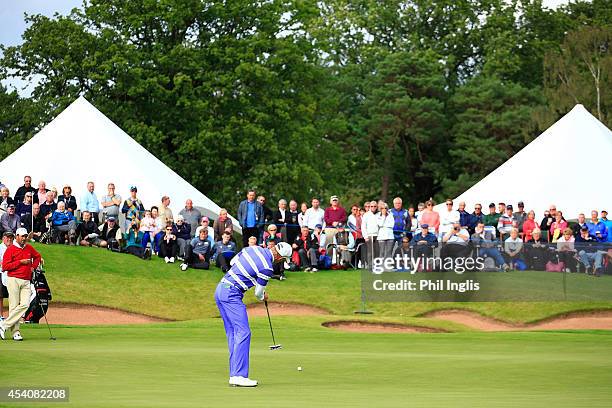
point(299, 368)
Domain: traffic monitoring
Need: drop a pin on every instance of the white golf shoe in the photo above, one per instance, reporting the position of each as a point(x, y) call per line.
point(242, 382)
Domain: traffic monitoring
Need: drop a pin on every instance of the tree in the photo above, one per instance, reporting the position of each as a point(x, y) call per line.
point(226, 94)
point(19, 119)
point(581, 72)
point(404, 122)
point(491, 121)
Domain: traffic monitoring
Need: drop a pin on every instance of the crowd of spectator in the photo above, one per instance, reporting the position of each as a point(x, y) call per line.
point(505, 238)
point(121, 225)
point(322, 236)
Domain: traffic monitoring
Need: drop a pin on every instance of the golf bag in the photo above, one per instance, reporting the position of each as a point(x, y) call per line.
point(40, 297)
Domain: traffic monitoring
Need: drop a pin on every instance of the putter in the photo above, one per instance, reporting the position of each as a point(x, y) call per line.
point(51, 337)
point(273, 346)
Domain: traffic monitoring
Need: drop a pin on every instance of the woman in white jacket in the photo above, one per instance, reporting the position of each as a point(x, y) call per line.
point(385, 223)
point(369, 230)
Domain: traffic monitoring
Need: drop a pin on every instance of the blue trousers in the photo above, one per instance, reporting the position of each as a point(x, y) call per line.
point(236, 322)
point(493, 253)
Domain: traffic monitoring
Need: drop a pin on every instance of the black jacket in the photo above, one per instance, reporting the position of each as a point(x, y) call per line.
point(108, 234)
point(47, 208)
point(71, 202)
point(9, 201)
point(21, 192)
point(278, 220)
point(268, 215)
point(293, 227)
point(40, 224)
point(86, 228)
point(310, 242)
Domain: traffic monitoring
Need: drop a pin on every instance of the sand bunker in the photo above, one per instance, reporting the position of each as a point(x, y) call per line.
point(372, 327)
point(601, 320)
point(76, 314)
point(284, 309)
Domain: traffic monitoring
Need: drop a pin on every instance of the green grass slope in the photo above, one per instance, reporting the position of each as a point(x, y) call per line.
point(96, 276)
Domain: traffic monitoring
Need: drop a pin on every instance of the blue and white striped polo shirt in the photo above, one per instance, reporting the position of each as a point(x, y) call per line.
point(252, 265)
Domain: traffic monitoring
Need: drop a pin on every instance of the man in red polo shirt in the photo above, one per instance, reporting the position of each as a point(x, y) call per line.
point(334, 216)
point(18, 262)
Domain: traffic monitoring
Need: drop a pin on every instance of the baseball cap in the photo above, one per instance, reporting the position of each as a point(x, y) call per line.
point(509, 207)
point(133, 188)
point(11, 206)
point(424, 226)
point(180, 218)
point(318, 226)
point(521, 204)
point(604, 211)
point(112, 219)
point(491, 205)
point(584, 228)
point(334, 197)
point(8, 234)
point(21, 231)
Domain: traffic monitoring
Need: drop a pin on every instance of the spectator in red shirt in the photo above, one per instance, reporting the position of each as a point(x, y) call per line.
point(557, 227)
point(430, 217)
point(529, 225)
point(335, 216)
point(18, 261)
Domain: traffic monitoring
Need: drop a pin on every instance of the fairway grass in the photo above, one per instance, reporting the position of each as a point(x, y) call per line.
point(185, 365)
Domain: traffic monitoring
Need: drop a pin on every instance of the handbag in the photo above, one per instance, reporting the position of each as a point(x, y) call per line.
point(555, 267)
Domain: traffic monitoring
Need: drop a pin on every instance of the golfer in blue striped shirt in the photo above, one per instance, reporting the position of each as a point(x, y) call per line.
point(251, 267)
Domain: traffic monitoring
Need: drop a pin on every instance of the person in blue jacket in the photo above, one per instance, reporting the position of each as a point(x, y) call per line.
point(251, 218)
point(424, 242)
point(63, 220)
point(597, 228)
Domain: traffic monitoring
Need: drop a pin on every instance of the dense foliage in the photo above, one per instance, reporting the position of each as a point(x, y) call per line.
point(297, 98)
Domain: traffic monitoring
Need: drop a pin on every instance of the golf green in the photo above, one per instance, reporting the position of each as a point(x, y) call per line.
point(185, 365)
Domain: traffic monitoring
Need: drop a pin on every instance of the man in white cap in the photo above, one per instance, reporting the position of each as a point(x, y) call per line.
point(18, 262)
point(253, 266)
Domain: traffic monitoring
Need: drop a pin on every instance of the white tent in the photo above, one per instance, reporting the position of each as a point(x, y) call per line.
point(567, 165)
point(81, 145)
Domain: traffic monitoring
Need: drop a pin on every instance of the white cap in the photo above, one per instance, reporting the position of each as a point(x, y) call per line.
point(21, 231)
point(284, 250)
point(180, 218)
